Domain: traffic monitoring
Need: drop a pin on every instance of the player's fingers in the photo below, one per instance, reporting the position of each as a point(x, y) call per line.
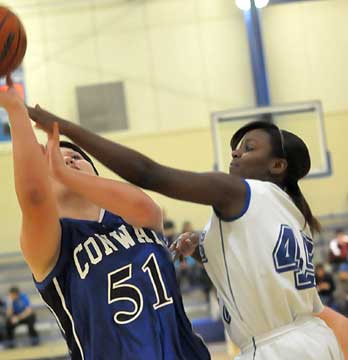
point(53, 137)
point(185, 249)
point(189, 247)
point(43, 149)
point(184, 244)
point(9, 81)
point(31, 112)
point(38, 126)
point(176, 242)
point(56, 132)
point(34, 112)
point(172, 247)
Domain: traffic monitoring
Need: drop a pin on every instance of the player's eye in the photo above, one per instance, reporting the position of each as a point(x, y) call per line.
point(76, 157)
point(249, 147)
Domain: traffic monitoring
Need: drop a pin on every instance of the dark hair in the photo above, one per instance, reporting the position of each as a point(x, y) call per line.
point(290, 147)
point(69, 145)
point(168, 224)
point(14, 290)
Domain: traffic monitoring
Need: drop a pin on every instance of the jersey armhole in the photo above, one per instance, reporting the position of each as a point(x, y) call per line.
point(244, 209)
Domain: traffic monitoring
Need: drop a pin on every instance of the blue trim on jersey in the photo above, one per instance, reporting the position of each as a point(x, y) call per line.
point(243, 211)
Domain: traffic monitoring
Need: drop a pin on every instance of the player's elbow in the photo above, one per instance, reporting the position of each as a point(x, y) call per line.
point(148, 214)
point(32, 196)
point(149, 177)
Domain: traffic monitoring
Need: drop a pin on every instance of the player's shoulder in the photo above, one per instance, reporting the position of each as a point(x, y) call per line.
point(106, 218)
point(262, 186)
point(266, 191)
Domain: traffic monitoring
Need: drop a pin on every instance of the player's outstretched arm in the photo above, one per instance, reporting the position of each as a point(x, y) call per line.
point(126, 200)
point(40, 233)
point(227, 193)
point(339, 325)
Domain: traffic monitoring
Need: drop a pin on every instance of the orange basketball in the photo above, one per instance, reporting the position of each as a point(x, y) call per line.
point(13, 41)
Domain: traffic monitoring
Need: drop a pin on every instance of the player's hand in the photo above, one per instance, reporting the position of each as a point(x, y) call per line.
point(185, 245)
point(55, 157)
point(10, 98)
point(44, 120)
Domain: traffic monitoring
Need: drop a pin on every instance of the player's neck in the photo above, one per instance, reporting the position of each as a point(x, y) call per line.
point(75, 207)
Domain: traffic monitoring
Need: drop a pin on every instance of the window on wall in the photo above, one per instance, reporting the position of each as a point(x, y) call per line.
point(102, 107)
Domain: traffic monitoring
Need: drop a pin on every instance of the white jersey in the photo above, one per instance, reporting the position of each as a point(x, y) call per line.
point(261, 264)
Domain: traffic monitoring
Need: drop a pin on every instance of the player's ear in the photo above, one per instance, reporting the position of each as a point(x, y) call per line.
point(278, 166)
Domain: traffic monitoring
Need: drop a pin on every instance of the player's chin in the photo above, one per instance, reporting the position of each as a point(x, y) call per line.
point(235, 170)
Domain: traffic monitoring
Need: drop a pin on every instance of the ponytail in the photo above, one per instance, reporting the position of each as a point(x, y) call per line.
point(294, 191)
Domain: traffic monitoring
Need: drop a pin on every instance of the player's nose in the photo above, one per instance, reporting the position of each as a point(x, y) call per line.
point(69, 161)
point(236, 153)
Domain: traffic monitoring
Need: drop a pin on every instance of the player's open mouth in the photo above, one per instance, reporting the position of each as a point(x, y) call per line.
point(74, 167)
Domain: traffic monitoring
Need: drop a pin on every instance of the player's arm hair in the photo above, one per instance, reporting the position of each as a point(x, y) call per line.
point(126, 200)
point(339, 325)
point(227, 193)
point(40, 232)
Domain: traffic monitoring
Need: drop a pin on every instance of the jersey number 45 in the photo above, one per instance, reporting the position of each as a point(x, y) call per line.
point(296, 255)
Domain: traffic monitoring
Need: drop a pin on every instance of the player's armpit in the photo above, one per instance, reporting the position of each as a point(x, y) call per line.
point(339, 325)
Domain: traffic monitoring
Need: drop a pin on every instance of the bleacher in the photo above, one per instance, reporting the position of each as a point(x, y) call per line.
point(14, 271)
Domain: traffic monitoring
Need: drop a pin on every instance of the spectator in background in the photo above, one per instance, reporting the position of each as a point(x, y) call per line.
point(325, 285)
point(169, 231)
point(19, 311)
point(187, 227)
point(341, 295)
point(187, 269)
point(2, 319)
point(185, 273)
point(338, 249)
point(205, 282)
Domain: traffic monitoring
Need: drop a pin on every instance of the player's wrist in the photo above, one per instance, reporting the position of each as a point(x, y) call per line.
point(14, 106)
point(65, 127)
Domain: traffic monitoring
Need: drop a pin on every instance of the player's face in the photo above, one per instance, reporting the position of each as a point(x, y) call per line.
point(74, 160)
point(253, 157)
point(320, 272)
point(13, 296)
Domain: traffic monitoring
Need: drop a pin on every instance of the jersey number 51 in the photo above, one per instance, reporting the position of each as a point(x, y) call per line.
point(119, 290)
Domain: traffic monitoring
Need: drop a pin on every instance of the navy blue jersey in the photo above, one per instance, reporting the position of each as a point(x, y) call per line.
point(114, 294)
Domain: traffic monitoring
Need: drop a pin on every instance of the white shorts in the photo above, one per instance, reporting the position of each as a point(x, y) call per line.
point(305, 339)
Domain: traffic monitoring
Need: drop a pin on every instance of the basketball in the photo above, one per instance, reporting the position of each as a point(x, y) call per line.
point(13, 41)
